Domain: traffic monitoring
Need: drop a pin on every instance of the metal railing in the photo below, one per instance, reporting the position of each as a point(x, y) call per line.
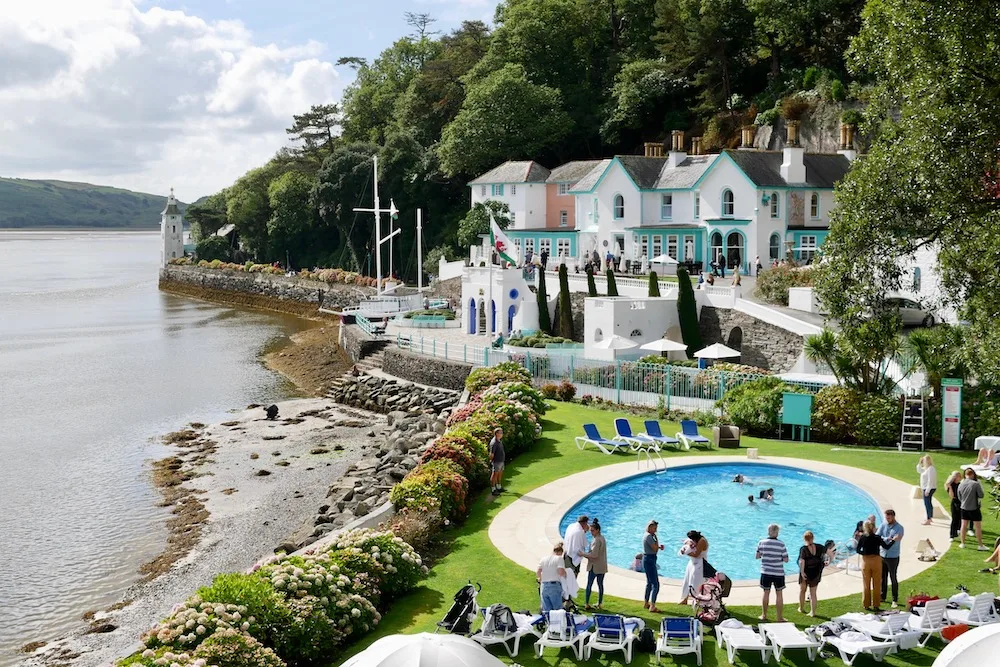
point(469, 354)
point(367, 325)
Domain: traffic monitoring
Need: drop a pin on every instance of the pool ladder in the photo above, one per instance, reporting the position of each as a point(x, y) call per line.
point(650, 461)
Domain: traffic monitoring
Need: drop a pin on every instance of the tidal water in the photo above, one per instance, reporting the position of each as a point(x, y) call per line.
point(95, 363)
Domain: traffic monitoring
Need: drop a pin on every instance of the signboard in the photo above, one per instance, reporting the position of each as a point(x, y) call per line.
point(951, 413)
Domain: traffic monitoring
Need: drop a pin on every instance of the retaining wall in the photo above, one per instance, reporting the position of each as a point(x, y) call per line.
point(425, 370)
point(358, 343)
point(760, 344)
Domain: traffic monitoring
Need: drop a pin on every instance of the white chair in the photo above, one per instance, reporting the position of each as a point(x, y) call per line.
point(742, 639)
point(564, 630)
point(784, 636)
point(501, 626)
point(891, 628)
point(982, 613)
point(613, 632)
point(931, 621)
point(679, 636)
point(852, 644)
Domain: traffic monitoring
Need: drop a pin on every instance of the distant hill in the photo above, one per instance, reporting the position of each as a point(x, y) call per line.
point(28, 204)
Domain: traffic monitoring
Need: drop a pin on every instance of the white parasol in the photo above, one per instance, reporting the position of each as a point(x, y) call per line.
point(663, 259)
point(717, 351)
point(615, 342)
point(978, 646)
point(424, 650)
point(664, 345)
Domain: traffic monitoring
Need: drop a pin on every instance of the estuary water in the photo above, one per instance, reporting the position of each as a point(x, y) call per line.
point(95, 363)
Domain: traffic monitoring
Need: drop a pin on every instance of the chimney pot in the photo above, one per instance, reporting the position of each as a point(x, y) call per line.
point(746, 137)
point(696, 145)
point(793, 133)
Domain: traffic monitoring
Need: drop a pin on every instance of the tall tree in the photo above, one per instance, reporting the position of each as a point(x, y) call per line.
point(644, 94)
point(316, 131)
point(565, 305)
point(687, 313)
point(342, 184)
point(293, 219)
point(542, 299)
point(248, 207)
point(207, 217)
point(477, 221)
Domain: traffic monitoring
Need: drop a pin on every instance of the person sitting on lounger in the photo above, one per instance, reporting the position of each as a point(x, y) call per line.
point(984, 457)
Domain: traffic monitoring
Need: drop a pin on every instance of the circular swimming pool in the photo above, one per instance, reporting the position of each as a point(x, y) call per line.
point(704, 497)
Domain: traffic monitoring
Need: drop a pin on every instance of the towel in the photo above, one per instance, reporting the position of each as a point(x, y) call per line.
point(732, 623)
point(570, 586)
point(908, 640)
point(852, 636)
point(557, 621)
point(962, 599)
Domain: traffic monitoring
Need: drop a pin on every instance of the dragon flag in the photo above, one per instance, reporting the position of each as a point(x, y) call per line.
point(506, 250)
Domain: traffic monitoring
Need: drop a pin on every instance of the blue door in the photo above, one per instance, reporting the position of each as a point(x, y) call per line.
point(472, 316)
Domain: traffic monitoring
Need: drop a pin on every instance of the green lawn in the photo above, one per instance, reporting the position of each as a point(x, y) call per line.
point(473, 557)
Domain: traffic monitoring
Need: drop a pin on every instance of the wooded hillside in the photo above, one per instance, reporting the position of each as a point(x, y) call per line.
point(26, 203)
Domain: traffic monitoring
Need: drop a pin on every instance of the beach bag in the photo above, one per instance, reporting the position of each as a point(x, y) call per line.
point(646, 641)
point(949, 632)
point(919, 600)
point(707, 570)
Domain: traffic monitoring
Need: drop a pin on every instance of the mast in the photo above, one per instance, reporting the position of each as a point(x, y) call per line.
point(420, 261)
point(378, 229)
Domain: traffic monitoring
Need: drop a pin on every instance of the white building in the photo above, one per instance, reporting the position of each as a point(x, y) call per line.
point(171, 231)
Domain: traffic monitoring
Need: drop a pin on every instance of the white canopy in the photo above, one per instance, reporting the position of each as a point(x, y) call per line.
point(664, 345)
point(615, 342)
point(978, 646)
point(225, 230)
point(663, 259)
point(424, 650)
point(717, 351)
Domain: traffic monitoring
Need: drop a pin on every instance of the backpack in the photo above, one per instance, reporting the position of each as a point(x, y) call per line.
point(646, 642)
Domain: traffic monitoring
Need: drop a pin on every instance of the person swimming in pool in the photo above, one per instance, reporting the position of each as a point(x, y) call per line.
point(742, 480)
point(751, 503)
point(767, 494)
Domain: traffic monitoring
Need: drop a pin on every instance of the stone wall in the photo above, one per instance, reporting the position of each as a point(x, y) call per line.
point(761, 344)
point(257, 290)
point(448, 289)
point(383, 395)
point(426, 370)
point(358, 344)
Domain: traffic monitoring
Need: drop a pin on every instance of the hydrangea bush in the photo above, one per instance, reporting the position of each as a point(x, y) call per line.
point(515, 391)
point(483, 378)
point(437, 483)
point(468, 452)
point(463, 413)
point(398, 566)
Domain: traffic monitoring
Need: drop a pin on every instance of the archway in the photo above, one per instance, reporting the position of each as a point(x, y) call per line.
point(734, 250)
point(482, 317)
point(493, 317)
point(472, 316)
point(510, 318)
point(716, 242)
point(735, 339)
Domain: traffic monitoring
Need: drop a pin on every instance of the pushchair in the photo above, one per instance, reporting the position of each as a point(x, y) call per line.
point(708, 606)
point(463, 611)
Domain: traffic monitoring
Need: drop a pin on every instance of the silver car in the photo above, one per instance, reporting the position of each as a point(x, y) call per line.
point(912, 313)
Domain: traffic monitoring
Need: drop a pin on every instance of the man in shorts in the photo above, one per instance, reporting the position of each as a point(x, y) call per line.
point(970, 496)
point(773, 555)
point(497, 456)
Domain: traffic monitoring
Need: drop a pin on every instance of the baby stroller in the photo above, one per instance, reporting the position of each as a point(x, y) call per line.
point(463, 612)
point(708, 606)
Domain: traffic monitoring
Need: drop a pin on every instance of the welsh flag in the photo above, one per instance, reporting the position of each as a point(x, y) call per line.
point(506, 250)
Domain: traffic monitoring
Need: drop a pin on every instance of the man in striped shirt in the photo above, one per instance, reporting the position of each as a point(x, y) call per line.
point(772, 555)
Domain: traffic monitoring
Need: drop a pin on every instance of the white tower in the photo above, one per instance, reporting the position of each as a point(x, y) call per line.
point(171, 231)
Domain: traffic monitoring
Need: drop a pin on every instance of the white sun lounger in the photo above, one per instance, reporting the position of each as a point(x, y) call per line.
point(891, 628)
point(852, 644)
point(563, 630)
point(784, 636)
point(931, 621)
point(510, 638)
point(982, 613)
point(742, 639)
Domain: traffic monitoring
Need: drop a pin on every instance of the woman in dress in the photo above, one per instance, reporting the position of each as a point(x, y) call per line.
point(695, 547)
point(597, 563)
point(928, 485)
point(811, 563)
point(954, 479)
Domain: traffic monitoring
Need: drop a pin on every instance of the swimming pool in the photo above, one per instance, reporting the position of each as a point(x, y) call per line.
point(703, 497)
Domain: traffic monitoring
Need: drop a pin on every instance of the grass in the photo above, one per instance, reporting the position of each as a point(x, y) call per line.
point(471, 556)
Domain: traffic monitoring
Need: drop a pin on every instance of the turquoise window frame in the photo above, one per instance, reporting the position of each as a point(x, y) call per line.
point(732, 204)
point(665, 207)
point(694, 247)
point(697, 205)
point(498, 190)
point(775, 206)
point(614, 206)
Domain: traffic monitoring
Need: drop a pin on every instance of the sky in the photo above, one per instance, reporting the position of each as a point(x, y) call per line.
point(190, 94)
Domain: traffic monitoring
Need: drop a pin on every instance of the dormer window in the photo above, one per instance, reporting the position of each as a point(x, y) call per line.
point(814, 205)
point(775, 211)
point(619, 207)
point(728, 203)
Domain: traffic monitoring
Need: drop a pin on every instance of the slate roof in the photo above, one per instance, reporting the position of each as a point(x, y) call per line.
point(524, 171)
point(644, 171)
point(764, 168)
point(588, 182)
point(686, 174)
point(571, 172)
point(171, 209)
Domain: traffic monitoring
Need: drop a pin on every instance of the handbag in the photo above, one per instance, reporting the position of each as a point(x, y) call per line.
point(707, 570)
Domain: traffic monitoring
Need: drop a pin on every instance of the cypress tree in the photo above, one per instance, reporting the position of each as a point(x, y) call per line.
point(687, 313)
point(612, 286)
point(544, 321)
point(591, 285)
point(565, 307)
point(654, 284)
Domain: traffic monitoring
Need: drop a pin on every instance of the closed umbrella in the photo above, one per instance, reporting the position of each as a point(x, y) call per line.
point(424, 650)
point(664, 345)
point(717, 351)
point(615, 342)
point(978, 646)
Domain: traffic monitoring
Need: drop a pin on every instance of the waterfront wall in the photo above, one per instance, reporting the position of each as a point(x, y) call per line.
point(256, 290)
point(425, 370)
point(358, 343)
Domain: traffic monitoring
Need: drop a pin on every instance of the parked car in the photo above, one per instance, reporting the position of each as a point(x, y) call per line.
point(912, 313)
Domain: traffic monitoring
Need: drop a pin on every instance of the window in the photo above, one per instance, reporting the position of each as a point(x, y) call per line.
point(498, 190)
point(734, 249)
point(774, 205)
point(636, 333)
point(482, 190)
point(814, 206)
point(545, 245)
point(807, 248)
point(689, 248)
point(564, 218)
point(563, 189)
point(529, 246)
point(657, 246)
point(728, 203)
point(513, 190)
point(619, 207)
point(562, 248)
point(717, 252)
point(916, 280)
point(697, 205)
point(672, 247)
point(666, 207)
point(173, 229)
point(644, 246)
point(774, 247)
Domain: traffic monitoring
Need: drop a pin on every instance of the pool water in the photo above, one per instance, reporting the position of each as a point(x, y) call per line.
point(705, 498)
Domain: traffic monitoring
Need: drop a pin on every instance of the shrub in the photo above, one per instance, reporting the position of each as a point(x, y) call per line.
point(838, 92)
point(565, 322)
point(464, 412)
point(654, 284)
point(550, 390)
point(469, 453)
point(687, 312)
point(587, 399)
point(229, 648)
point(419, 529)
point(194, 621)
point(435, 484)
point(591, 285)
point(436, 312)
point(612, 285)
point(567, 390)
point(398, 567)
point(542, 299)
point(517, 420)
point(851, 117)
point(539, 339)
point(880, 420)
point(482, 378)
point(766, 117)
point(835, 413)
point(257, 596)
point(810, 78)
point(773, 284)
point(754, 405)
point(515, 391)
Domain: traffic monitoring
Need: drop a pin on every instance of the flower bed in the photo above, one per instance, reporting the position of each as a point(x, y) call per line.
point(481, 379)
point(329, 276)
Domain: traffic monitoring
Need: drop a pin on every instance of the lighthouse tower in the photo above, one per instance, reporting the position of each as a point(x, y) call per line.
point(171, 231)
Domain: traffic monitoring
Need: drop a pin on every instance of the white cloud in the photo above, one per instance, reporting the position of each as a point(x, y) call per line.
point(107, 92)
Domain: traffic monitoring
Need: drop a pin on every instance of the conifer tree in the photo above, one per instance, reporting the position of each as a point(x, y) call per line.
point(591, 285)
point(565, 306)
point(654, 284)
point(544, 320)
point(687, 313)
point(612, 286)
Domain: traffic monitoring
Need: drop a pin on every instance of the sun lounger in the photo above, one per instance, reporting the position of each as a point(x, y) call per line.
point(564, 630)
point(593, 437)
point(983, 612)
point(735, 640)
point(890, 628)
point(851, 644)
point(613, 632)
point(931, 621)
point(654, 433)
point(679, 636)
point(636, 442)
point(784, 636)
point(689, 434)
point(509, 635)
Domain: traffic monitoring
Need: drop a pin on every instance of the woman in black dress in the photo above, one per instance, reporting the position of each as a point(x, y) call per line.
point(954, 479)
point(812, 560)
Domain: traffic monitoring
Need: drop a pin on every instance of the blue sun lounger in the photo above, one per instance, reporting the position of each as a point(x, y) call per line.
point(623, 433)
point(654, 433)
point(593, 437)
point(689, 434)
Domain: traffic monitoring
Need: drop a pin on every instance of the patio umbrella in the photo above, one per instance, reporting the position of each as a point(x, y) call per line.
point(615, 342)
point(424, 650)
point(663, 259)
point(978, 646)
point(664, 345)
point(717, 351)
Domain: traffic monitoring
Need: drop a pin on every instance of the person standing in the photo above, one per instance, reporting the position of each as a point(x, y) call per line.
point(549, 575)
point(757, 264)
point(891, 532)
point(869, 546)
point(928, 485)
point(970, 496)
point(597, 563)
point(954, 479)
point(811, 562)
point(650, 548)
point(773, 555)
point(695, 547)
point(497, 457)
point(544, 258)
point(575, 541)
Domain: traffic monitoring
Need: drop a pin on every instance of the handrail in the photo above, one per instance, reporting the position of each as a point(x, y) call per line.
point(649, 459)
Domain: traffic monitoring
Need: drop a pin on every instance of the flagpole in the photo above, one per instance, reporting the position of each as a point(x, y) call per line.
point(489, 308)
point(420, 262)
point(378, 230)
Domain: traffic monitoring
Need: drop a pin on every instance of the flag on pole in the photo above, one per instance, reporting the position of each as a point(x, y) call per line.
point(393, 211)
point(505, 249)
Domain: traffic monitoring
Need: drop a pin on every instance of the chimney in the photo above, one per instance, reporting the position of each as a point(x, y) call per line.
point(847, 142)
point(677, 154)
point(695, 145)
point(746, 137)
point(653, 149)
point(793, 168)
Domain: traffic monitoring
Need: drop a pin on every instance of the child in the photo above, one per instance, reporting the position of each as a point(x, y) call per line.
point(636, 565)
